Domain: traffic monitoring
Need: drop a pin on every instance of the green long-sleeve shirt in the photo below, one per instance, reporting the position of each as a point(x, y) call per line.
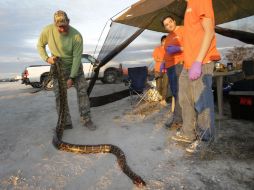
point(68, 47)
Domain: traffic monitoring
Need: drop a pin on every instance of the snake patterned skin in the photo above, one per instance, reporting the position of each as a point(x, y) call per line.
point(85, 149)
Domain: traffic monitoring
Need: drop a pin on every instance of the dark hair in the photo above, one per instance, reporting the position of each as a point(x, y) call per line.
point(163, 37)
point(168, 16)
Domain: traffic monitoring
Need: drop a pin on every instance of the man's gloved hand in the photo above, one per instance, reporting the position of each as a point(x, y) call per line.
point(162, 67)
point(173, 49)
point(51, 60)
point(195, 70)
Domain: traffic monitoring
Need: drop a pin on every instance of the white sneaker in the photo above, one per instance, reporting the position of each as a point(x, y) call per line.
point(194, 147)
point(179, 137)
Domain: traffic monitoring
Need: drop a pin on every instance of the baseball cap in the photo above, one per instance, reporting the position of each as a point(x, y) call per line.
point(61, 18)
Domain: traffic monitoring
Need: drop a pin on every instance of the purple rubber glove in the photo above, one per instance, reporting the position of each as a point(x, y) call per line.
point(162, 67)
point(195, 70)
point(173, 49)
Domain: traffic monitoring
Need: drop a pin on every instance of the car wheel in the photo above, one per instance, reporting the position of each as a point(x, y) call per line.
point(110, 76)
point(47, 83)
point(36, 85)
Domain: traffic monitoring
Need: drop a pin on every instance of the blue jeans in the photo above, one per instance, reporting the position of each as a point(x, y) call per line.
point(173, 76)
point(196, 100)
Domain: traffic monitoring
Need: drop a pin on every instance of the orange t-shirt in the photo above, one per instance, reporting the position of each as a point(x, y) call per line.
point(158, 56)
point(174, 38)
point(194, 32)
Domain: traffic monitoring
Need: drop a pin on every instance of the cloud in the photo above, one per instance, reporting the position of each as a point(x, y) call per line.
point(22, 21)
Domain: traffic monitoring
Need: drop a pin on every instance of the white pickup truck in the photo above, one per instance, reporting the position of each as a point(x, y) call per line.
point(37, 75)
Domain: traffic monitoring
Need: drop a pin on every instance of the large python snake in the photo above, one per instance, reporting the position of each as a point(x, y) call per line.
point(85, 149)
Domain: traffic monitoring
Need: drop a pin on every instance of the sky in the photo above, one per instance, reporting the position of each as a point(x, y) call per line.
point(22, 21)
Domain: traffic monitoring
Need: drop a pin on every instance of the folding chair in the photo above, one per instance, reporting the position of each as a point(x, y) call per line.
point(139, 85)
point(136, 82)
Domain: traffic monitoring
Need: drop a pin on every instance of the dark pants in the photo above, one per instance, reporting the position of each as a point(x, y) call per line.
point(162, 84)
point(173, 75)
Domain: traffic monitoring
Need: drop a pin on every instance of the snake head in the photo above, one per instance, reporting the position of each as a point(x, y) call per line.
point(139, 182)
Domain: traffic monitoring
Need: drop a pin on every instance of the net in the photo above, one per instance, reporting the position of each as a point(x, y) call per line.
point(118, 38)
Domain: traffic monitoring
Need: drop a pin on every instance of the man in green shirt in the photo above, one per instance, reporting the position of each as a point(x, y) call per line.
point(66, 43)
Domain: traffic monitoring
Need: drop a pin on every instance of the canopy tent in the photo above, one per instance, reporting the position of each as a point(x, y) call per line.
point(147, 14)
point(225, 11)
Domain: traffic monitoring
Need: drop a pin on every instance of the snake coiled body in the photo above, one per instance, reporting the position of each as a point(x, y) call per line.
point(85, 149)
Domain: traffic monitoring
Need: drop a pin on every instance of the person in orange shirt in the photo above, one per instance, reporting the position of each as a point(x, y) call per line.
point(173, 63)
point(195, 84)
point(159, 70)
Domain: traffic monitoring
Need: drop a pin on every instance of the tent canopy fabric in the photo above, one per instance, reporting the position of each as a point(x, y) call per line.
point(225, 11)
point(246, 37)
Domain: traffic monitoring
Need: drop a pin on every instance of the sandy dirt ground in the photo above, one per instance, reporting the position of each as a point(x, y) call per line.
point(29, 161)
